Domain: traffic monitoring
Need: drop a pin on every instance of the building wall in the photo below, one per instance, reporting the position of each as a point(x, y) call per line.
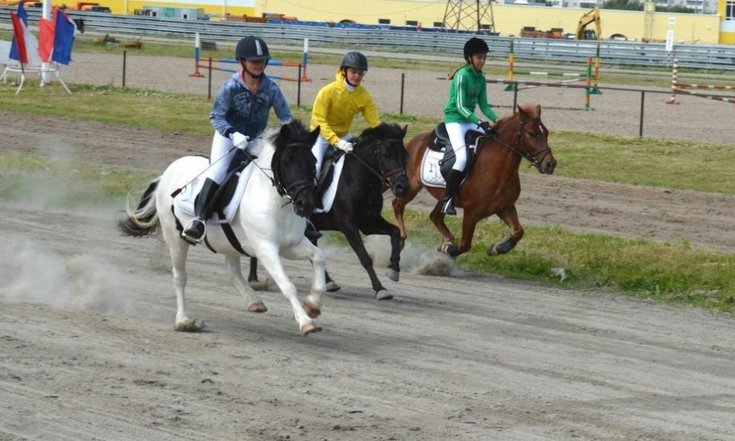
point(508, 19)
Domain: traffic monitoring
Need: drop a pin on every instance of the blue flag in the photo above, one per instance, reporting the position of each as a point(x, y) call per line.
point(63, 38)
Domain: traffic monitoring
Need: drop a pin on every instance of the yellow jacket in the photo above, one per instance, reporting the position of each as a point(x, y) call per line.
point(335, 107)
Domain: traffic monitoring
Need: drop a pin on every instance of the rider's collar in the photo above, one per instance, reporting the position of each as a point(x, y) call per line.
point(350, 87)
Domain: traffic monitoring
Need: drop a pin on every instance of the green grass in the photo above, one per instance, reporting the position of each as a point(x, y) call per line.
point(630, 160)
point(673, 273)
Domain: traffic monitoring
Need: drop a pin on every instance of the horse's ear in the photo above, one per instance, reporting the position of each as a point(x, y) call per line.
point(314, 134)
point(405, 130)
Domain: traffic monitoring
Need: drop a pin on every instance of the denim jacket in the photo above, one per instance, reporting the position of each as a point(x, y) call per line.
point(236, 109)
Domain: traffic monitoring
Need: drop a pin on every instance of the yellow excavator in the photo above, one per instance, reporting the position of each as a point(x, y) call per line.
point(589, 17)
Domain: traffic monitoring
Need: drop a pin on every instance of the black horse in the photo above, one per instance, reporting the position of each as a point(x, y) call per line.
point(377, 162)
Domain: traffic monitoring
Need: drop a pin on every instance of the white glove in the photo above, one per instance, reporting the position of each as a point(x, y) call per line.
point(239, 140)
point(343, 145)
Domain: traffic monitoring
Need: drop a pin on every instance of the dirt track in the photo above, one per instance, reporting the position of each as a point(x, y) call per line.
point(88, 350)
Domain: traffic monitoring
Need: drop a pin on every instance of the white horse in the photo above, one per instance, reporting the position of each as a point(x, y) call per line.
point(269, 222)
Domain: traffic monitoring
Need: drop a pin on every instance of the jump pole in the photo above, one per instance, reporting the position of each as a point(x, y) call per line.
point(197, 50)
point(674, 73)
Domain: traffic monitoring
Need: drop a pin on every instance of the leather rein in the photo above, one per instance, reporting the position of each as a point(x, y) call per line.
point(531, 157)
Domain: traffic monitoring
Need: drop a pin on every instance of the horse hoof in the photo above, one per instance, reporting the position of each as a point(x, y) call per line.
point(332, 287)
point(310, 328)
point(311, 310)
point(449, 249)
point(259, 285)
point(257, 307)
point(392, 274)
point(383, 295)
point(189, 326)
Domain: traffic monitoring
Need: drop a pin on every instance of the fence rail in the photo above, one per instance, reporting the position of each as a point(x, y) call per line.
point(617, 53)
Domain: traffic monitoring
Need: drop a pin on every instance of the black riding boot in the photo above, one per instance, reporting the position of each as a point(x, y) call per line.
point(197, 228)
point(453, 180)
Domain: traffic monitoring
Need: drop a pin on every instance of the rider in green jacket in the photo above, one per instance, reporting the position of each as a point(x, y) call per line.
point(467, 91)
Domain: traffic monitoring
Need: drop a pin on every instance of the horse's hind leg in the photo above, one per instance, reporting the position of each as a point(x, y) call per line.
point(179, 251)
point(382, 226)
point(353, 237)
point(253, 281)
point(509, 215)
point(243, 288)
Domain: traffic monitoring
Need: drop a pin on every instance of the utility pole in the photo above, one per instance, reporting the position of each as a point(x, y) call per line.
point(469, 15)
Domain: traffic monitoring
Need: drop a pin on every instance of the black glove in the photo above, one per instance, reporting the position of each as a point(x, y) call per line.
point(487, 128)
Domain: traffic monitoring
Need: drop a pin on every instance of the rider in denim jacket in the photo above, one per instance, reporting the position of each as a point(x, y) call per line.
point(239, 114)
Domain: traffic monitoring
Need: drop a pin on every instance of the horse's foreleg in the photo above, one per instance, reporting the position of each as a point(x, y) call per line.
point(469, 222)
point(353, 237)
point(241, 286)
point(448, 245)
point(382, 226)
point(399, 206)
point(509, 215)
point(268, 257)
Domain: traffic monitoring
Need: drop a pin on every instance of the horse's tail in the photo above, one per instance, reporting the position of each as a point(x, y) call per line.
point(143, 220)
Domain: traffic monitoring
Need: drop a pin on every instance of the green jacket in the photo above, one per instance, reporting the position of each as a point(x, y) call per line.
point(468, 90)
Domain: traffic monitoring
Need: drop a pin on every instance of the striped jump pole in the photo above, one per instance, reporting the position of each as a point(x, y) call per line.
point(674, 74)
point(727, 99)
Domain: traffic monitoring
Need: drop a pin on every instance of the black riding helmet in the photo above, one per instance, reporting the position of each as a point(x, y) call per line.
point(252, 48)
point(475, 46)
point(355, 60)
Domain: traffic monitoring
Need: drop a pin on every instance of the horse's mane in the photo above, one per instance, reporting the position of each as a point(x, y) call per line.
point(291, 133)
point(531, 110)
point(380, 132)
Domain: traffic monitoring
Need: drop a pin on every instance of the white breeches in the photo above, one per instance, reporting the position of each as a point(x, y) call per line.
point(456, 132)
point(221, 146)
point(319, 149)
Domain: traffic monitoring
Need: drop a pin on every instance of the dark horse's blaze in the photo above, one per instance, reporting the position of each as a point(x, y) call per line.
point(493, 186)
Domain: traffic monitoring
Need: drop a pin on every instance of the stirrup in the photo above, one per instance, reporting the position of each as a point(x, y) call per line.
point(191, 232)
point(448, 207)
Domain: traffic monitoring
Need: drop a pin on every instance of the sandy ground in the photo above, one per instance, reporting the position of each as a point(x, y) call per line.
point(88, 350)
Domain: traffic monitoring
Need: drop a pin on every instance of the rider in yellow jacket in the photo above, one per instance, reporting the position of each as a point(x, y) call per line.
point(337, 103)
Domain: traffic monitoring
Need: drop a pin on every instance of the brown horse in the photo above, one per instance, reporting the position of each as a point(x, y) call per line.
point(493, 185)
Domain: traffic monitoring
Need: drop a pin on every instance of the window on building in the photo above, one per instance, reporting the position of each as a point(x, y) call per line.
point(730, 10)
point(384, 21)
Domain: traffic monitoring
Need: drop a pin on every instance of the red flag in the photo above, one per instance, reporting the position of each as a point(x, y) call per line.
point(19, 31)
point(46, 37)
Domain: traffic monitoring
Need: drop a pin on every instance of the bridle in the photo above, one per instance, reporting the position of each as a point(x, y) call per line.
point(535, 157)
point(293, 189)
point(386, 177)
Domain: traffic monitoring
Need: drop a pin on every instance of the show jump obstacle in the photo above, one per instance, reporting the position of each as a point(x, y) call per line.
point(590, 77)
point(678, 87)
point(222, 62)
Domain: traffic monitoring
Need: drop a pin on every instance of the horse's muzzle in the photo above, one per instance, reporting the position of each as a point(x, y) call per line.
point(547, 165)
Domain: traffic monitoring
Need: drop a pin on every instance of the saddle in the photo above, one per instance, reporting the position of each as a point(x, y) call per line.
point(224, 194)
point(326, 177)
point(439, 142)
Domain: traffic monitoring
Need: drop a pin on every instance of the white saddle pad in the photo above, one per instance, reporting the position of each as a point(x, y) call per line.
point(431, 176)
point(331, 191)
point(184, 201)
